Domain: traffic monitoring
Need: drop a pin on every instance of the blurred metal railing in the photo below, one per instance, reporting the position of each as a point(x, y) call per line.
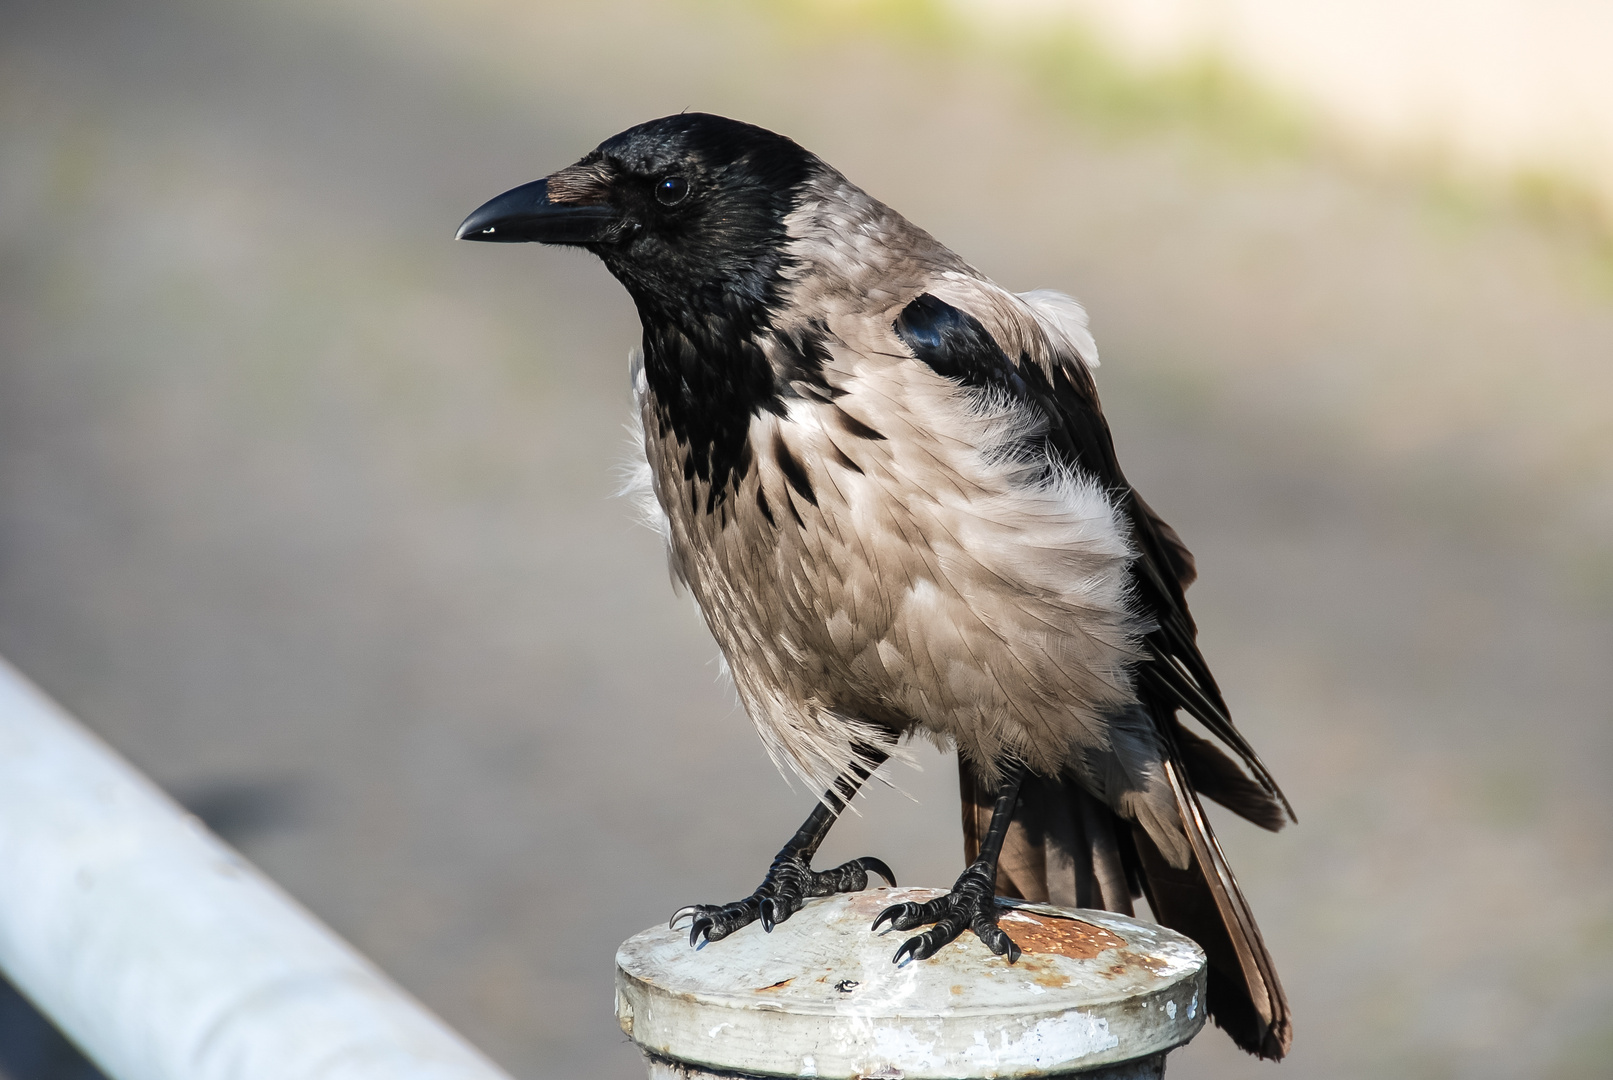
point(160, 951)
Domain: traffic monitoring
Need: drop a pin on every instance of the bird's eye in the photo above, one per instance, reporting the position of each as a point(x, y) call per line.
point(672, 190)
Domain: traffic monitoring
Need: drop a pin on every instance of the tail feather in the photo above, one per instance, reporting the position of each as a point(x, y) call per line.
point(1204, 902)
point(1063, 847)
point(1067, 847)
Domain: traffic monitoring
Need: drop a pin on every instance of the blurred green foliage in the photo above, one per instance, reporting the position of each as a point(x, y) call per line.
point(1070, 68)
point(1066, 66)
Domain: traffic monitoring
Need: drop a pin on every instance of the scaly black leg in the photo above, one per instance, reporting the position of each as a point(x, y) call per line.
point(972, 901)
point(791, 879)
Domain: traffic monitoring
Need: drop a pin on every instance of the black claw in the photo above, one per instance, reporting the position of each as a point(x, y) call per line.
point(892, 913)
point(905, 916)
point(920, 947)
point(877, 866)
point(995, 939)
point(970, 905)
point(789, 881)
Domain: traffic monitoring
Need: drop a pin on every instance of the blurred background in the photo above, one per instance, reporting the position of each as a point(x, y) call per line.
point(308, 510)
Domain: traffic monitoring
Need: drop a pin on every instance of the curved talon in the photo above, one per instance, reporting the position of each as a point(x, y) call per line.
point(790, 881)
point(892, 913)
point(911, 949)
point(907, 915)
point(996, 939)
point(877, 866)
point(970, 905)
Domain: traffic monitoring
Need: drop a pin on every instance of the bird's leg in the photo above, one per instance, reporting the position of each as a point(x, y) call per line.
point(791, 879)
point(972, 902)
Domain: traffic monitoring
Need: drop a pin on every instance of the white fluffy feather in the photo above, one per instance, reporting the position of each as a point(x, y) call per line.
point(1064, 320)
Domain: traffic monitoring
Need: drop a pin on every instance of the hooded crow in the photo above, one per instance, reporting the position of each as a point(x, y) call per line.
point(889, 485)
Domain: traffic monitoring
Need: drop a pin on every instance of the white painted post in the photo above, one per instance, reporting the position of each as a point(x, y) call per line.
point(162, 953)
point(1095, 994)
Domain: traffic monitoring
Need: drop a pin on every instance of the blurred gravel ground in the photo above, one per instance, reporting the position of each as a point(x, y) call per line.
point(307, 508)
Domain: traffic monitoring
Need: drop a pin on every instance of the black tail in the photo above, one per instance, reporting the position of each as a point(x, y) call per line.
point(1067, 847)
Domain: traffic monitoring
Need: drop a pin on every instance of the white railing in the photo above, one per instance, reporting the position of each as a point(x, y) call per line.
point(161, 952)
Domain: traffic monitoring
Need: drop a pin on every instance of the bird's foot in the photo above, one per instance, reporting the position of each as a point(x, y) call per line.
point(971, 904)
point(789, 882)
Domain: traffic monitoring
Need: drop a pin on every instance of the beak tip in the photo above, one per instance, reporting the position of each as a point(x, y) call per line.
point(525, 214)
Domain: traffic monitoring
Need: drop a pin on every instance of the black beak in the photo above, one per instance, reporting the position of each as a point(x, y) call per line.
point(525, 214)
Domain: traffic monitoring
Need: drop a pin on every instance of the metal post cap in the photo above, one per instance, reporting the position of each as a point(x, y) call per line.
point(820, 997)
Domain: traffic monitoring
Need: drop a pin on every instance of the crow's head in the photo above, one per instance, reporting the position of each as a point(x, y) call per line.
point(687, 211)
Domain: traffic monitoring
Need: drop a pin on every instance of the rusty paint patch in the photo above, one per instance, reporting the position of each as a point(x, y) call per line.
point(1045, 974)
point(1156, 964)
point(776, 986)
point(1078, 940)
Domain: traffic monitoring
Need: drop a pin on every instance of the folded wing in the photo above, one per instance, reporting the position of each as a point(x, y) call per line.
point(1066, 845)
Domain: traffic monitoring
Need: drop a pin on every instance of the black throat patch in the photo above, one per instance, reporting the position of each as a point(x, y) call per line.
point(710, 376)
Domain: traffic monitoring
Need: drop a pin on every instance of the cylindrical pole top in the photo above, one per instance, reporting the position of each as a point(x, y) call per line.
point(820, 997)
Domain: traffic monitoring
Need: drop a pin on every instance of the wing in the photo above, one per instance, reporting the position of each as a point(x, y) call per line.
point(956, 344)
